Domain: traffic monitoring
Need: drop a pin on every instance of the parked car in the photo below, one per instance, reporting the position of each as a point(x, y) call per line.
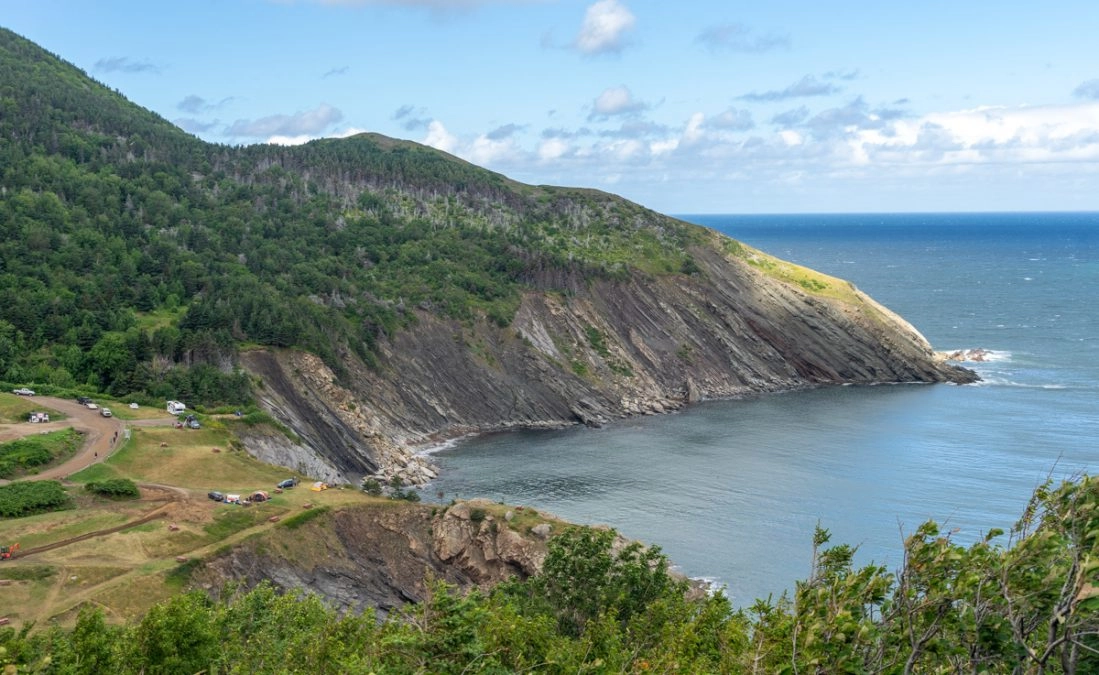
point(23, 391)
point(83, 400)
point(288, 483)
point(106, 412)
point(91, 406)
point(216, 496)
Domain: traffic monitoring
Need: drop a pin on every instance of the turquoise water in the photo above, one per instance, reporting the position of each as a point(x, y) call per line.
point(732, 489)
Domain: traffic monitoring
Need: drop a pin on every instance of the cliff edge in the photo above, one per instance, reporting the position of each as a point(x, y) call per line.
point(586, 351)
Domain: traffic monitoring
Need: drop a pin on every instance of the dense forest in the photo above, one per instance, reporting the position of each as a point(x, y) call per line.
point(135, 258)
point(1025, 607)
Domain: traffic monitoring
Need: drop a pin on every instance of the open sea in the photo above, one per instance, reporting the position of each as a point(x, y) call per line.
point(731, 490)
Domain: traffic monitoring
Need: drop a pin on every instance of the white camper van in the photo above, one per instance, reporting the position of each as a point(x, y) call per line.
point(176, 408)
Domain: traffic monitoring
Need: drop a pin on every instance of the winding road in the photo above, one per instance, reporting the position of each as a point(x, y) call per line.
point(102, 435)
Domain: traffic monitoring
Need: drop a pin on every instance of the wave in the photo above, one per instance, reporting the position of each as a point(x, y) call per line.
point(445, 445)
point(993, 381)
point(977, 355)
point(710, 585)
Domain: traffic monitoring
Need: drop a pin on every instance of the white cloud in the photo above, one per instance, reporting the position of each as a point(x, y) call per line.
point(866, 149)
point(616, 101)
point(125, 64)
point(740, 38)
point(301, 139)
point(489, 149)
point(551, 149)
point(289, 140)
point(1022, 134)
point(486, 150)
point(302, 123)
point(805, 87)
point(349, 131)
point(663, 147)
point(791, 137)
point(624, 150)
point(439, 138)
point(693, 133)
point(605, 26)
point(194, 126)
point(733, 120)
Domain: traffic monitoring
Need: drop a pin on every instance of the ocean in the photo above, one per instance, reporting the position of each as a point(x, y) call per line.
point(731, 490)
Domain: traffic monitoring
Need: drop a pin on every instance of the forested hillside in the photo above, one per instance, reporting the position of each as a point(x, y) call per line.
point(130, 250)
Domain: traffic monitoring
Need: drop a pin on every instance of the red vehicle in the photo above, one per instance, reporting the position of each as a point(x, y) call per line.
point(6, 552)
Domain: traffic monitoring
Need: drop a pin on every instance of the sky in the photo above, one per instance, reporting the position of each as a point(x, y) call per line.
point(685, 107)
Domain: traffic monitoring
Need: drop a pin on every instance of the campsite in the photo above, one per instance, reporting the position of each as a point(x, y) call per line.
point(125, 555)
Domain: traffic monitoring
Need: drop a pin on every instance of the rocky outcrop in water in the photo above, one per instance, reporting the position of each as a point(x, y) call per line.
point(976, 355)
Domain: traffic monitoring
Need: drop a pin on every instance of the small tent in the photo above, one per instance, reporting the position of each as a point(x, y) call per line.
point(318, 486)
point(260, 496)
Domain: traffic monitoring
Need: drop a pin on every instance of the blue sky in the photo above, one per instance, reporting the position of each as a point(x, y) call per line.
point(685, 107)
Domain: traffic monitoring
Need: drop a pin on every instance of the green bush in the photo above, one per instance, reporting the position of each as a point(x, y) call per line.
point(409, 495)
point(31, 497)
point(116, 488)
point(298, 519)
point(372, 487)
point(34, 451)
point(597, 340)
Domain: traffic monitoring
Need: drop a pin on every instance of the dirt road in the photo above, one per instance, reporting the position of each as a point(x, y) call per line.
point(102, 435)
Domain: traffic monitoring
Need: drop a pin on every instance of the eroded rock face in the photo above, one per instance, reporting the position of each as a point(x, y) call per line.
point(595, 352)
point(380, 558)
point(483, 546)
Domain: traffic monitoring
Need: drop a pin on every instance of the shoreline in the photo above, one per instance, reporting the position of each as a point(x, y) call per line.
point(440, 441)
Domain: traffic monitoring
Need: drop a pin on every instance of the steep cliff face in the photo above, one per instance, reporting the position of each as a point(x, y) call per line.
point(590, 351)
point(382, 557)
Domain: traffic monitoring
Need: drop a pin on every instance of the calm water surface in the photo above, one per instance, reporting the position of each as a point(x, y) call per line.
point(732, 489)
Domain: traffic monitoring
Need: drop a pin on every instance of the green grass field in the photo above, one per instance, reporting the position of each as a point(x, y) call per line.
point(126, 571)
point(15, 409)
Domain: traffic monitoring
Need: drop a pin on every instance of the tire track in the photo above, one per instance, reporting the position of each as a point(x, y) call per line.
point(179, 495)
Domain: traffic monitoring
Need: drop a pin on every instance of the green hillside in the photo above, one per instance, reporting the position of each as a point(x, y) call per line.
point(129, 248)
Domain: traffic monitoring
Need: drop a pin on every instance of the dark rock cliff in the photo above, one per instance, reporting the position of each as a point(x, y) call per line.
point(592, 350)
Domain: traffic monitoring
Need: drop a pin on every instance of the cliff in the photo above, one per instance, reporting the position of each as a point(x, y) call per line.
point(381, 557)
point(590, 351)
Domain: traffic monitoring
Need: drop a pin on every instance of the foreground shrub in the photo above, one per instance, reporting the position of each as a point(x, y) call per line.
point(115, 488)
point(27, 498)
point(601, 605)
